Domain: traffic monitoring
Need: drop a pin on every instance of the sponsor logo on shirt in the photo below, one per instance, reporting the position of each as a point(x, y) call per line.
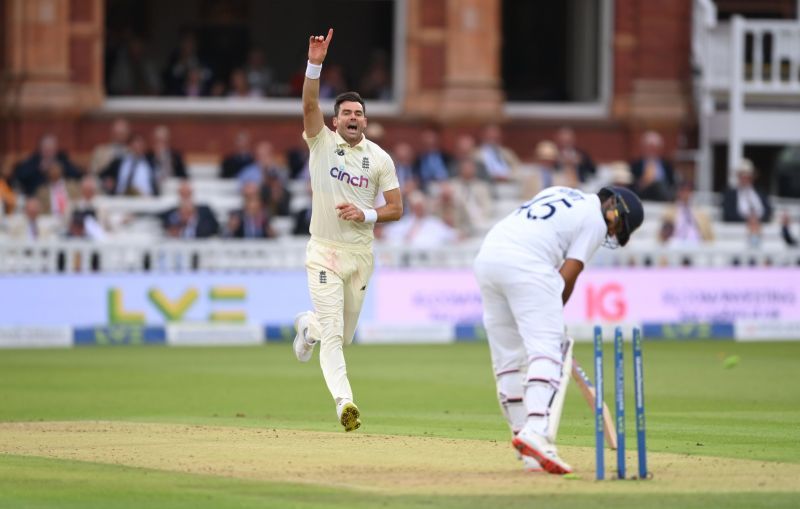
point(353, 180)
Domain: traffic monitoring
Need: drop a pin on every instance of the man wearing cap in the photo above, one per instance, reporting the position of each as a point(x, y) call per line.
point(526, 269)
point(743, 203)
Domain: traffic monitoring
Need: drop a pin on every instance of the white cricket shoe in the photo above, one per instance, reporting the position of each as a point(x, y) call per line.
point(303, 348)
point(348, 415)
point(542, 450)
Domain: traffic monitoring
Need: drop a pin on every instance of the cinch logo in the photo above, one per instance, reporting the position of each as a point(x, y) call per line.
point(353, 180)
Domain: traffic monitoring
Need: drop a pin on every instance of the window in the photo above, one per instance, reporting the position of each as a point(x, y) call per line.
point(555, 53)
point(246, 49)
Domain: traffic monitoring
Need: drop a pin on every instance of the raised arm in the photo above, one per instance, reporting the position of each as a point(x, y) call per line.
point(313, 121)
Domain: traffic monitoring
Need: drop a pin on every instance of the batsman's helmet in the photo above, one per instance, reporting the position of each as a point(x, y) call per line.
point(628, 207)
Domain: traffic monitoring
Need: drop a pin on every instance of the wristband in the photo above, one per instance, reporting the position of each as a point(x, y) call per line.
point(313, 71)
point(370, 215)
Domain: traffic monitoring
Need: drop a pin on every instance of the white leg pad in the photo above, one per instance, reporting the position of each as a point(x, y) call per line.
point(557, 407)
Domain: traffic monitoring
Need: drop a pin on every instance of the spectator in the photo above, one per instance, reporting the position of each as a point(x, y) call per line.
point(218, 89)
point(466, 148)
point(376, 82)
point(31, 173)
point(134, 72)
point(501, 162)
point(569, 155)
point(754, 233)
point(197, 83)
point(263, 164)
point(332, 81)
point(419, 229)
point(87, 205)
point(742, 202)
point(103, 154)
point(251, 222)
point(275, 194)
point(191, 222)
point(242, 156)
point(432, 162)
point(302, 218)
point(444, 204)
point(302, 222)
point(403, 156)
point(31, 225)
point(186, 74)
point(618, 173)
point(56, 194)
point(297, 160)
point(131, 174)
point(165, 160)
point(271, 179)
point(8, 196)
point(84, 225)
point(472, 198)
point(786, 232)
point(259, 75)
point(686, 224)
point(240, 87)
point(171, 217)
point(653, 176)
point(544, 169)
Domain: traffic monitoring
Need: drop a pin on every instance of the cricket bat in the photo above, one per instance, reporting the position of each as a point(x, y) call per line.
point(587, 389)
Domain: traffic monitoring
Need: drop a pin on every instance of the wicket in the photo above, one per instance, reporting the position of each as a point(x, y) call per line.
point(619, 401)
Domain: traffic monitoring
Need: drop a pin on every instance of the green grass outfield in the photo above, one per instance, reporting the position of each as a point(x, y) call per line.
point(696, 406)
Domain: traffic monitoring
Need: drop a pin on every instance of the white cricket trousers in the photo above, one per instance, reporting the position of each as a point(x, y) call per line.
point(524, 319)
point(337, 281)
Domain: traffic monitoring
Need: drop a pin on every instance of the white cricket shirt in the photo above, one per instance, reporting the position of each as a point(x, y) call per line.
point(344, 174)
point(558, 223)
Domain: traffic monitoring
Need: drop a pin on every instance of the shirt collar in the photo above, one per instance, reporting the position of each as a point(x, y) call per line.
point(340, 142)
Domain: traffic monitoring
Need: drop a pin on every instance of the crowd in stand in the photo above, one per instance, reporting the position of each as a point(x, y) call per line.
point(448, 195)
point(132, 72)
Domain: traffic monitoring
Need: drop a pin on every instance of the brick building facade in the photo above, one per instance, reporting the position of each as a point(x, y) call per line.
point(51, 63)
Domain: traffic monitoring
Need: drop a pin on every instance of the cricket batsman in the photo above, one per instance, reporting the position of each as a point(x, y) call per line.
point(347, 173)
point(526, 269)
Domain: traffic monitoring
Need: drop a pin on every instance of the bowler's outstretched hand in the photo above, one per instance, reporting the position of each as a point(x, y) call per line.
point(318, 47)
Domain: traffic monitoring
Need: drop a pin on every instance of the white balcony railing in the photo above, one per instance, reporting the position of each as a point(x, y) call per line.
point(747, 83)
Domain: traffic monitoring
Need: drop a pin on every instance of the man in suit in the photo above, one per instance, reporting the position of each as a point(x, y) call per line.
point(251, 222)
point(743, 202)
point(241, 157)
point(189, 219)
point(31, 173)
point(191, 222)
point(104, 154)
point(501, 162)
point(165, 160)
point(653, 176)
point(131, 174)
